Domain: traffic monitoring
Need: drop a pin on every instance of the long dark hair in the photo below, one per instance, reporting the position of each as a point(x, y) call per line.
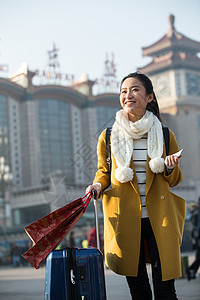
point(153, 105)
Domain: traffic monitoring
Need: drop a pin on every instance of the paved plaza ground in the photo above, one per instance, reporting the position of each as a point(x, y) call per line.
point(26, 283)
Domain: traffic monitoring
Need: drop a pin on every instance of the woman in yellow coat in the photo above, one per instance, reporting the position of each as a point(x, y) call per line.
point(143, 219)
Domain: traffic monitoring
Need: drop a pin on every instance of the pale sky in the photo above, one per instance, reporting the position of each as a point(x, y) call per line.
point(85, 30)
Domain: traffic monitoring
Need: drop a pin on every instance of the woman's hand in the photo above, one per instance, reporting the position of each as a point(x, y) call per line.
point(172, 160)
point(96, 187)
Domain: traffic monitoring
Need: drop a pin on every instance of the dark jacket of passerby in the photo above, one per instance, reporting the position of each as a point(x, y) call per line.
point(15, 253)
point(195, 234)
point(71, 240)
point(92, 239)
point(195, 219)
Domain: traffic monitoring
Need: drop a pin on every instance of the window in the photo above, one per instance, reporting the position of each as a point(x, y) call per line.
point(55, 134)
point(106, 116)
point(193, 84)
point(28, 215)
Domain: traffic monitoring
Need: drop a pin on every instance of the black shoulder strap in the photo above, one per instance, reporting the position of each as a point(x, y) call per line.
point(166, 138)
point(108, 148)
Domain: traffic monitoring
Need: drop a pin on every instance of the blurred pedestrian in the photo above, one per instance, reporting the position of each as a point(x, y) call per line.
point(15, 253)
point(92, 239)
point(84, 243)
point(195, 219)
point(72, 240)
point(23, 249)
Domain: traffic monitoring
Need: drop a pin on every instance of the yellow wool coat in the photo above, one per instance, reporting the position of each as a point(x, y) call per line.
point(122, 215)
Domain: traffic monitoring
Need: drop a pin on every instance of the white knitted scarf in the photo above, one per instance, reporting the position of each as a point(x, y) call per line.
point(122, 143)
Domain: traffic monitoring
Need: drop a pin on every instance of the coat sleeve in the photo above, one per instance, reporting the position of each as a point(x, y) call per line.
point(102, 175)
point(175, 177)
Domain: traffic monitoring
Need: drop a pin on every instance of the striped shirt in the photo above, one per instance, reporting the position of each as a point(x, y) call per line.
point(140, 160)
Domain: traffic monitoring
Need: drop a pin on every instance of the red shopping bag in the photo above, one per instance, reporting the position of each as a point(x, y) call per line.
point(46, 224)
point(47, 232)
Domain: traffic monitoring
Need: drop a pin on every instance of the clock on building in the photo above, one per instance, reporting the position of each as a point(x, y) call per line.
point(162, 86)
point(193, 84)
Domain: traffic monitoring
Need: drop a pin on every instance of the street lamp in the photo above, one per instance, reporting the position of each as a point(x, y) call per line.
point(5, 178)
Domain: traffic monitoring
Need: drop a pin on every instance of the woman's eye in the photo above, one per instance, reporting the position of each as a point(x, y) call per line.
point(123, 92)
point(134, 90)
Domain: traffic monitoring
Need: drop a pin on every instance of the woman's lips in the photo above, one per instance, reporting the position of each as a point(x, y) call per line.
point(130, 102)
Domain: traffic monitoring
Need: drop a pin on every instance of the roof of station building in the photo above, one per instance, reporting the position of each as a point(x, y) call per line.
point(172, 40)
point(173, 50)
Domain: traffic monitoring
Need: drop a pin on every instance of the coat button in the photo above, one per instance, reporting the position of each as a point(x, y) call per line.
point(162, 197)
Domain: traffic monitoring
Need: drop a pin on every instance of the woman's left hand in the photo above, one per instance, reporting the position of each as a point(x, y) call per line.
point(172, 160)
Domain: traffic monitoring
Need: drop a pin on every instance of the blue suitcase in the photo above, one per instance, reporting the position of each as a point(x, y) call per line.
point(73, 273)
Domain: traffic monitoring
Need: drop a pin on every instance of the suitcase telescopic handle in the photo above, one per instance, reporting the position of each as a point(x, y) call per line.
point(96, 217)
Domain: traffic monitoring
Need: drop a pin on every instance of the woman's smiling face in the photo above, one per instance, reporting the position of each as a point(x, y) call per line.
point(133, 98)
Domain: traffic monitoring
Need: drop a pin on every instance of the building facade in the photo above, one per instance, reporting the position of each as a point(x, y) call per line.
point(44, 128)
point(47, 130)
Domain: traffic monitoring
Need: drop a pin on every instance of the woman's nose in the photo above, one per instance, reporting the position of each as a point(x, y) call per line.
point(129, 94)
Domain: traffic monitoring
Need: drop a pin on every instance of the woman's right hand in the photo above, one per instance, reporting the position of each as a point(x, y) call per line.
point(96, 187)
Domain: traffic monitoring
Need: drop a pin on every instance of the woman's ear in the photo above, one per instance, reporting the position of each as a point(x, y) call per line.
point(150, 97)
